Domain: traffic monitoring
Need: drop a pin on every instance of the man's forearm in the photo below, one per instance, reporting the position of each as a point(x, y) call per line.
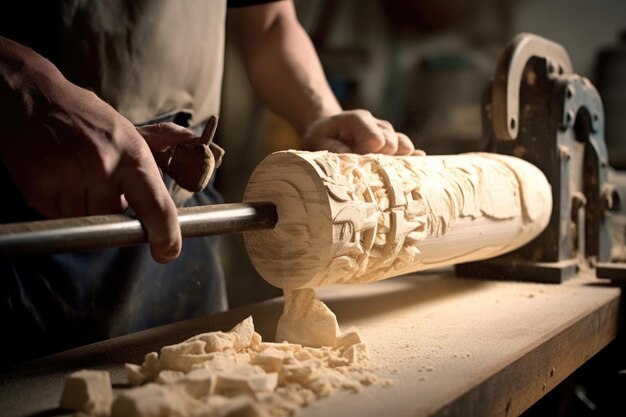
point(25, 78)
point(282, 64)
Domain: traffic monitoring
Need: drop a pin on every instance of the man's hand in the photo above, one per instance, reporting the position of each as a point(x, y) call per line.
point(356, 131)
point(189, 163)
point(71, 154)
point(286, 73)
point(163, 136)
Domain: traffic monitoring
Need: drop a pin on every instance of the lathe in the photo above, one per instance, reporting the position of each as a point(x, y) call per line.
point(334, 218)
point(533, 207)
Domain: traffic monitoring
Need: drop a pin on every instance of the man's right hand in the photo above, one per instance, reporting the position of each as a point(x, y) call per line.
point(71, 154)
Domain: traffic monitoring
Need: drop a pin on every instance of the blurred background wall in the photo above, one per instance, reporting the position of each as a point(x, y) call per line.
point(421, 64)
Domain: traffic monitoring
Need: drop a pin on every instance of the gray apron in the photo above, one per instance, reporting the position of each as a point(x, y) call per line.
point(147, 58)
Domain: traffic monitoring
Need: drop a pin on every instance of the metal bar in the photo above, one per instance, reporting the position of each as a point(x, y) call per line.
point(508, 78)
point(116, 230)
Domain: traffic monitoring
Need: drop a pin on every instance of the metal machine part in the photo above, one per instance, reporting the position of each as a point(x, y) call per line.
point(106, 231)
point(537, 109)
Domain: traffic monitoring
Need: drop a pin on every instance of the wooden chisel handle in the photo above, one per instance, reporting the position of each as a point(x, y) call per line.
point(192, 164)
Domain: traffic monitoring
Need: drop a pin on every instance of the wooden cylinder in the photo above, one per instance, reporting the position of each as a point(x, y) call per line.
point(346, 218)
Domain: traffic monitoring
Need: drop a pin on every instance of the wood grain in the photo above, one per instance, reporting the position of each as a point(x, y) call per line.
point(452, 347)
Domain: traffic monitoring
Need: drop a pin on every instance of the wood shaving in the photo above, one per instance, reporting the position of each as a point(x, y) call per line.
point(236, 373)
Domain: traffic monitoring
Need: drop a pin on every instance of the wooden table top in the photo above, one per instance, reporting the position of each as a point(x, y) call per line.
point(451, 346)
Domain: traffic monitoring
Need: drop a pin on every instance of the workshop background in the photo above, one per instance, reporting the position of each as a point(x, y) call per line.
point(423, 65)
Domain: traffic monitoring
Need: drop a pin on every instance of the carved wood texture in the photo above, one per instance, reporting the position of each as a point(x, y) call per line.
point(346, 218)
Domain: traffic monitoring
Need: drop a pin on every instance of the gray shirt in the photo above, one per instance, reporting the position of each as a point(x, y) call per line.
point(144, 57)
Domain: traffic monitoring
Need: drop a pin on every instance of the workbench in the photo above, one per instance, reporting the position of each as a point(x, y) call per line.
point(451, 346)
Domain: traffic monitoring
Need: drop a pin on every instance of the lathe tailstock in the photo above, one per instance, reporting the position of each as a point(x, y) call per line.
point(537, 109)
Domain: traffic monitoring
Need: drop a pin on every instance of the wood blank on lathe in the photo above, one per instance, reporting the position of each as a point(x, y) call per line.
point(346, 218)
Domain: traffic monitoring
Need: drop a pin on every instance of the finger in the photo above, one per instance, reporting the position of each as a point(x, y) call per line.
point(146, 193)
point(70, 199)
point(71, 203)
point(41, 193)
point(162, 136)
point(405, 146)
point(47, 206)
point(367, 136)
point(326, 144)
point(391, 142)
point(124, 202)
point(385, 124)
point(42, 200)
point(104, 200)
point(34, 171)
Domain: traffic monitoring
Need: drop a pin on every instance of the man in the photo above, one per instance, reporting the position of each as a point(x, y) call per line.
point(70, 147)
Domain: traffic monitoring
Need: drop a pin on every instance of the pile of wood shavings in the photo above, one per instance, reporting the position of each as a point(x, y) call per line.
point(236, 373)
